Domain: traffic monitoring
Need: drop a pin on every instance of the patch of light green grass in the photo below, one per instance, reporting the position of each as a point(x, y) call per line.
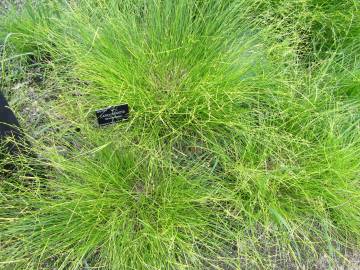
point(234, 155)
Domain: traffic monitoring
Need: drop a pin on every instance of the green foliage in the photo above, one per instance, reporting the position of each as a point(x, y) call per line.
point(321, 27)
point(239, 152)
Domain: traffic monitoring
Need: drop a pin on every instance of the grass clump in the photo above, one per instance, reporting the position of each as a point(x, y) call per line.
point(237, 153)
point(319, 28)
point(121, 208)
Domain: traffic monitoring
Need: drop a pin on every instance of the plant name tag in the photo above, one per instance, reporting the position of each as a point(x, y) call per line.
point(112, 115)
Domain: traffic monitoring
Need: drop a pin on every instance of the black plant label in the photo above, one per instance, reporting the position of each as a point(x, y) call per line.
point(112, 115)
